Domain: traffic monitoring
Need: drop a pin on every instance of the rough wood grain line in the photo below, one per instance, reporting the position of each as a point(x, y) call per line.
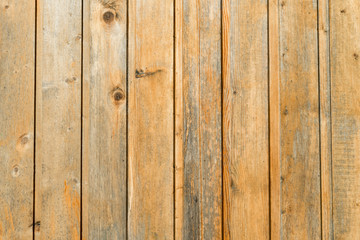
point(274, 113)
point(58, 119)
point(201, 120)
point(17, 58)
point(151, 120)
point(345, 109)
point(325, 119)
point(104, 122)
point(245, 120)
point(300, 163)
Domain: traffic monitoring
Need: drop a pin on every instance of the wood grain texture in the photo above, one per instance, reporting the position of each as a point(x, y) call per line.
point(325, 119)
point(151, 120)
point(274, 125)
point(58, 120)
point(300, 161)
point(345, 108)
point(104, 121)
point(17, 59)
point(245, 120)
point(199, 84)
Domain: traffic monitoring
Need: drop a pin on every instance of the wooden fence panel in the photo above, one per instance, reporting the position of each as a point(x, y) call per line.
point(299, 119)
point(58, 120)
point(345, 108)
point(245, 120)
point(198, 139)
point(104, 120)
point(151, 120)
point(17, 58)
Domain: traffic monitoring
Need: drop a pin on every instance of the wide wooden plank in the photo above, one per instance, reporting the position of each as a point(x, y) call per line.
point(151, 120)
point(104, 120)
point(58, 120)
point(345, 108)
point(299, 106)
point(17, 61)
point(245, 120)
point(200, 94)
point(325, 119)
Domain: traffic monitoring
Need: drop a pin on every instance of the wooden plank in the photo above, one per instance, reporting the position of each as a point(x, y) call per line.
point(345, 99)
point(300, 161)
point(104, 121)
point(58, 120)
point(199, 83)
point(151, 120)
point(245, 120)
point(274, 125)
point(17, 61)
point(325, 119)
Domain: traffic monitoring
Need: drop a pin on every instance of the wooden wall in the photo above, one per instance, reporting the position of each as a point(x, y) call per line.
point(180, 119)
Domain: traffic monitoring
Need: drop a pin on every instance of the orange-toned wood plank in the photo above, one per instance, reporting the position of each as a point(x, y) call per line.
point(17, 61)
point(104, 121)
point(58, 119)
point(345, 110)
point(299, 109)
point(151, 120)
point(325, 119)
point(198, 160)
point(245, 120)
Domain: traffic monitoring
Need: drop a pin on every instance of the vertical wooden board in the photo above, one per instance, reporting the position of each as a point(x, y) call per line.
point(151, 121)
point(17, 59)
point(300, 161)
point(245, 120)
point(210, 120)
point(274, 121)
point(104, 122)
point(325, 119)
point(58, 120)
point(200, 84)
point(345, 107)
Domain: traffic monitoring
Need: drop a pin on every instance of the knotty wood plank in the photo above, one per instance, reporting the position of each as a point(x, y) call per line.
point(300, 161)
point(151, 120)
point(245, 120)
point(199, 86)
point(104, 122)
point(58, 120)
point(325, 119)
point(345, 108)
point(274, 114)
point(17, 60)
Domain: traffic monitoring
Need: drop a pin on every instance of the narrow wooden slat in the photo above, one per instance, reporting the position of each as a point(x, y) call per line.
point(151, 120)
point(245, 120)
point(345, 109)
point(274, 108)
point(104, 122)
point(325, 119)
point(17, 59)
point(199, 84)
point(58, 120)
point(300, 161)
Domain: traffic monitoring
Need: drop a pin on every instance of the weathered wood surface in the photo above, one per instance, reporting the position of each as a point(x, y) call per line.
point(299, 119)
point(104, 120)
point(151, 120)
point(245, 120)
point(58, 120)
point(345, 108)
point(198, 87)
point(17, 58)
point(186, 119)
